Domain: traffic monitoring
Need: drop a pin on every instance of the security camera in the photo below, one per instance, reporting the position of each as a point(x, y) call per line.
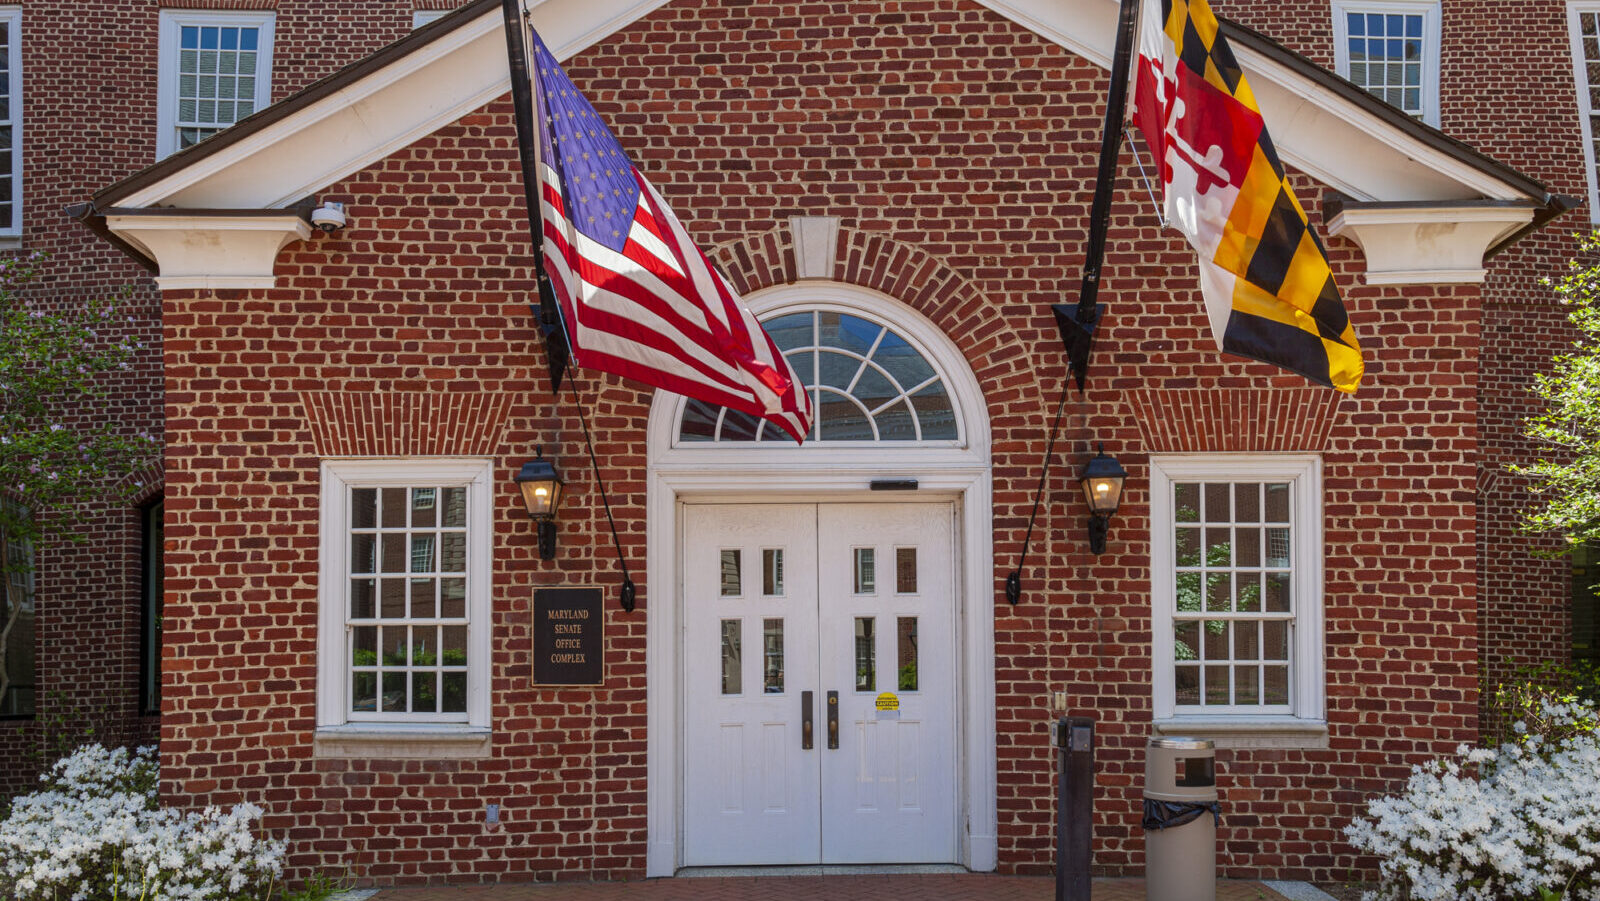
point(329, 217)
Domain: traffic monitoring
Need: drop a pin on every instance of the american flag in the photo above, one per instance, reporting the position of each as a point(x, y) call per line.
point(636, 295)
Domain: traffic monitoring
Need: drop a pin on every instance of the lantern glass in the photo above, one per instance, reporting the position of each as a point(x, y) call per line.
point(541, 488)
point(1102, 485)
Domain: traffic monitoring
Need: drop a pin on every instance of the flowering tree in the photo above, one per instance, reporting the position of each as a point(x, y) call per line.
point(53, 360)
point(1570, 424)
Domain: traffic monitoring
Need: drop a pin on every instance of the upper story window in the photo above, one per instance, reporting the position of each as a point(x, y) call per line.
point(216, 69)
point(1391, 49)
point(1236, 583)
point(1583, 25)
point(867, 383)
point(10, 122)
point(421, 17)
point(405, 592)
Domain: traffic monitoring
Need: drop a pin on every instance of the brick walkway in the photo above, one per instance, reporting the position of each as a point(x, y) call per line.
point(964, 887)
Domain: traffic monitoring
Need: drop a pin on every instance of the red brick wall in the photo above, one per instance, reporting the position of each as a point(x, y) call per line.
point(90, 119)
point(958, 151)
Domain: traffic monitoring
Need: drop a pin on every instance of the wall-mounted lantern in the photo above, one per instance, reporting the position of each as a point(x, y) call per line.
point(1102, 488)
point(541, 492)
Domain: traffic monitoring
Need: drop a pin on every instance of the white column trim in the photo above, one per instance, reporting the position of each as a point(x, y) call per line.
point(820, 474)
point(1436, 245)
point(211, 251)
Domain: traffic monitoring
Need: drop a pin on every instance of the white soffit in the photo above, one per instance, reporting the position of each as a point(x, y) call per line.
point(1316, 130)
point(376, 116)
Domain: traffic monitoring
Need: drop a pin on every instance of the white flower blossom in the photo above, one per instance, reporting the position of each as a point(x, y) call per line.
point(94, 831)
point(1525, 826)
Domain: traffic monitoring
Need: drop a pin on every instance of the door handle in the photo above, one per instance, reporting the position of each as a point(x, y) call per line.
point(833, 721)
point(805, 720)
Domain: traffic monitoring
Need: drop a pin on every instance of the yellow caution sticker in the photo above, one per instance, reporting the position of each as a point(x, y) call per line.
point(888, 701)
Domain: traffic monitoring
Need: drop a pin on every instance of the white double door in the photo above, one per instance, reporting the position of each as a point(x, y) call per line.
point(820, 684)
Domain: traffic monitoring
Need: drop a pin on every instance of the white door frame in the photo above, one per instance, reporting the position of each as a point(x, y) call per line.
point(775, 473)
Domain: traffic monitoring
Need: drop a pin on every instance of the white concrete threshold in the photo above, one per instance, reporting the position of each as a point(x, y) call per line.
point(1298, 891)
point(907, 869)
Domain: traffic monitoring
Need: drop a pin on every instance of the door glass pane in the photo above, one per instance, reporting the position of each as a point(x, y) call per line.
point(905, 570)
point(730, 573)
point(866, 571)
point(772, 571)
point(732, 672)
point(866, 656)
point(907, 653)
point(772, 656)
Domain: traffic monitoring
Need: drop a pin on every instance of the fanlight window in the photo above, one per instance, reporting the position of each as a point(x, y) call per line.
point(867, 384)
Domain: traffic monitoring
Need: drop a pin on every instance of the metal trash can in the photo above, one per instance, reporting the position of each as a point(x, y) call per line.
point(1181, 816)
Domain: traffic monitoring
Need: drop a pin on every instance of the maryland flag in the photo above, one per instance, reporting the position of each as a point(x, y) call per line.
point(1263, 272)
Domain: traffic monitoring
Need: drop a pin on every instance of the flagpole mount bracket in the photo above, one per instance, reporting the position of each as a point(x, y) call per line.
point(1077, 324)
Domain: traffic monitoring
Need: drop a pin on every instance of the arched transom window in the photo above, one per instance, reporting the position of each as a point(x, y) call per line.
point(867, 384)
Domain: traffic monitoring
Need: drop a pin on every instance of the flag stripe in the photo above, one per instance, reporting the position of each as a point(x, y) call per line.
point(637, 296)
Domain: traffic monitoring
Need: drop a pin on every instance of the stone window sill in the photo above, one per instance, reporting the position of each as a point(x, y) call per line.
point(403, 741)
point(1248, 732)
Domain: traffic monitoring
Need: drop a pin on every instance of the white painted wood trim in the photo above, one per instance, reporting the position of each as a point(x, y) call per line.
point(1314, 129)
point(1585, 108)
point(1306, 671)
point(338, 475)
point(821, 474)
point(1427, 245)
point(371, 119)
point(1329, 137)
point(215, 251)
point(172, 23)
point(1427, 9)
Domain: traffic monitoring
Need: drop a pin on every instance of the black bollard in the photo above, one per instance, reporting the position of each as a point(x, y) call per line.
point(1074, 740)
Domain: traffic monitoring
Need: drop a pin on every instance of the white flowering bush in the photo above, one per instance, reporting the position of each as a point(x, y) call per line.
point(94, 831)
point(1517, 823)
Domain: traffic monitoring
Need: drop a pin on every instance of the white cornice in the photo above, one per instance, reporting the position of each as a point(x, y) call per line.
point(210, 252)
point(1426, 244)
point(1314, 129)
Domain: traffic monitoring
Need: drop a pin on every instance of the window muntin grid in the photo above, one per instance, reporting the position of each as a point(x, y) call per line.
point(17, 619)
point(218, 69)
point(1386, 56)
point(1585, 24)
point(867, 384)
point(1233, 603)
point(407, 616)
point(10, 123)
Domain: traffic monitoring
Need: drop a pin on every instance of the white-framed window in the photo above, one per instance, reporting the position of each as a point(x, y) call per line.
point(1236, 585)
point(421, 17)
point(10, 122)
point(404, 611)
point(1390, 48)
point(215, 69)
point(1583, 26)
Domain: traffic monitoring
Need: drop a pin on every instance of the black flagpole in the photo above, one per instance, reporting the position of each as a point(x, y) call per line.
point(547, 312)
point(1077, 324)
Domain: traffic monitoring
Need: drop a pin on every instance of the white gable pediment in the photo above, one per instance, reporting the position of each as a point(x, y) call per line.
point(454, 67)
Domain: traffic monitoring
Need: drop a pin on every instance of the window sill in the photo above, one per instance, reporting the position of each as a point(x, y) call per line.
point(1248, 732)
point(403, 741)
point(10, 242)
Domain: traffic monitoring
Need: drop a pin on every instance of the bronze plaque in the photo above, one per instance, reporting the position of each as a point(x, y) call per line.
point(568, 636)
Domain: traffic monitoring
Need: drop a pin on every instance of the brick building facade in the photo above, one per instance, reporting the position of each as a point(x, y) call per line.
point(922, 167)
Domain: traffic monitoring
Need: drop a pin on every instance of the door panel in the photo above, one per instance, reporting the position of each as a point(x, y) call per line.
point(750, 620)
point(846, 603)
point(889, 792)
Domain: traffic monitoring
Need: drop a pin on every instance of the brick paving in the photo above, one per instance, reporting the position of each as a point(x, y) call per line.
point(948, 887)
